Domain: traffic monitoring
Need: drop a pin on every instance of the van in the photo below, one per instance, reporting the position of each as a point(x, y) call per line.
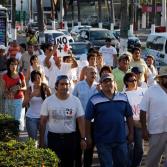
point(156, 45)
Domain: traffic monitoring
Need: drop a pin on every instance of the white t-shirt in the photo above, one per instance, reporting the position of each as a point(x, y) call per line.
point(108, 53)
point(62, 113)
point(135, 97)
point(54, 71)
point(35, 106)
point(154, 102)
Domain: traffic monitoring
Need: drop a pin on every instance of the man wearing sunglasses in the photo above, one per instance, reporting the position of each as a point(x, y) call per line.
point(153, 117)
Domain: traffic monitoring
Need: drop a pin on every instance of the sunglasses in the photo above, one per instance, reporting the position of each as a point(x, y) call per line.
point(133, 80)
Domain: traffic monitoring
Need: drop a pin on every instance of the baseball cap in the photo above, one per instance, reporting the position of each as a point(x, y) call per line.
point(60, 77)
point(106, 76)
point(136, 70)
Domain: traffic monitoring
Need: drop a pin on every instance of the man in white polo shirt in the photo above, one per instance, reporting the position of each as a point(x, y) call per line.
point(153, 117)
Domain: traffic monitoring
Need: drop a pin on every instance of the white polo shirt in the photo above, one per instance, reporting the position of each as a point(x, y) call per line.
point(62, 113)
point(154, 102)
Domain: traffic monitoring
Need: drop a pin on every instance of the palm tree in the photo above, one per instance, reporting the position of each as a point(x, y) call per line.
point(40, 15)
point(112, 15)
point(131, 15)
point(4, 2)
point(52, 2)
point(13, 19)
point(79, 12)
point(100, 13)
point(124, 25)
point(71, 3)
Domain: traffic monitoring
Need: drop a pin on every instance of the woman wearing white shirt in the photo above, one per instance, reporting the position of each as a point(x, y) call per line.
point(135, 95)
point(34, 96)
point(152, 71)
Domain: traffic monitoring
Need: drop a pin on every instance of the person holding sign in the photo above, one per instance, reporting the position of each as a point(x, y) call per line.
point(56, 66)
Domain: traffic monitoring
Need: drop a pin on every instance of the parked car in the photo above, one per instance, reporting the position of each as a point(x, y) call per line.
point(64, 31)
point(156, 45)
point(80, 50)
point(97, 37)
point(133, 41)
point(51, 35)
point(76, 29)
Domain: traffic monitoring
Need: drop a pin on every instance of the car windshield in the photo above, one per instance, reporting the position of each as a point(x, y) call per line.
point(79, 49)
point(100, 35)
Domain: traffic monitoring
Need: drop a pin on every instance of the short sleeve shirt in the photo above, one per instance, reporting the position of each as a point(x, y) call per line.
point(109, 117)
point(154, 103)
point(62, 114)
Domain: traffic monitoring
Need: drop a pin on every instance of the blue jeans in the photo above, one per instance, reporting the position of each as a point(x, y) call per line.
point(14, 108)
point(136, 149)
point(32, 125)
point(112, 155)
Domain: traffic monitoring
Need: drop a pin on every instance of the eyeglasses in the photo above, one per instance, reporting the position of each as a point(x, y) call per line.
point(133, 80)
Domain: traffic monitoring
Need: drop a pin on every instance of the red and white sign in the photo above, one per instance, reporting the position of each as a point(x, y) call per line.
point(63, 45)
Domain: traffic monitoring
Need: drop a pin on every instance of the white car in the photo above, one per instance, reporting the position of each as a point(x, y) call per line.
point(76, 29)
point(51, 35)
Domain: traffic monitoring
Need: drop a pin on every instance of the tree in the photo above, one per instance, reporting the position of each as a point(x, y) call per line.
point(112, 14)
point(124, 26)
point(100, 12)
point(40, 15)
point(3, 2)
point(71, 4)
point(79, 11)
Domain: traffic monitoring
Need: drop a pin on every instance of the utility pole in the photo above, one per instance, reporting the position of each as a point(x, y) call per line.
point(14, 19)
point(124, 26)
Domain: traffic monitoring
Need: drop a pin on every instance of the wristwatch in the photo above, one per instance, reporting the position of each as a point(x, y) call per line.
point(84, 138)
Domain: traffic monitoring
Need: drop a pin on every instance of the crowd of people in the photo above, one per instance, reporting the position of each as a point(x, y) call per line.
point(113, 103)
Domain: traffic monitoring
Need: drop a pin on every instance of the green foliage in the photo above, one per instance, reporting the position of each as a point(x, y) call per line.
point(9, 128)
point(19, 154)
point(3, 2)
